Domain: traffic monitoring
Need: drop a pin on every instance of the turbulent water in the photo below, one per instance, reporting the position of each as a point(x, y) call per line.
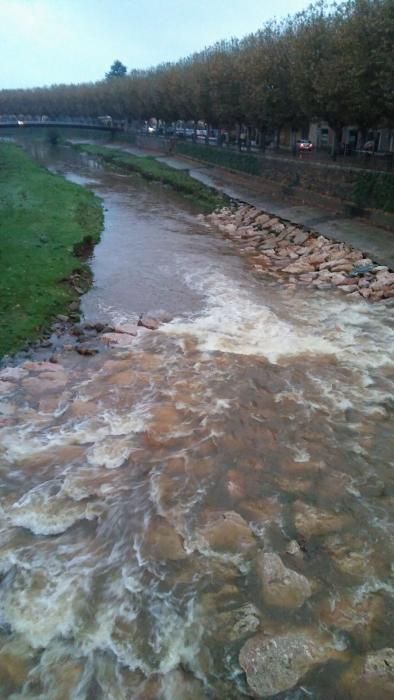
point(140, 486)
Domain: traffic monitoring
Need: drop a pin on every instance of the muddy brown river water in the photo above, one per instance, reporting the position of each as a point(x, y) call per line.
point(217, 498)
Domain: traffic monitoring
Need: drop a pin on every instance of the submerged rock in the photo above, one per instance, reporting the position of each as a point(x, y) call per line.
point(120, 338)
point(16, 661)
point(311, 521)
point(149, 322)
point(371, 677)
point(226, 532)
point(162, 541)
point(357, 617)
point(128, 328)
point(294, 549)
point(179, 685)
point(235, 624)
point(277, 663)
point(87, 350)
point(12, 374)
point(352, 555)
point(264, 511)
point(282, 587)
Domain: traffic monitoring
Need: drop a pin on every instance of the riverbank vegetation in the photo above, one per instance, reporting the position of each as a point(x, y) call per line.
point(151, 169)
point(330, 62)
point(46, 226)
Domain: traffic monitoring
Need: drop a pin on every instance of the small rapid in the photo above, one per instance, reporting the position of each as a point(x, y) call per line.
point(221, 481)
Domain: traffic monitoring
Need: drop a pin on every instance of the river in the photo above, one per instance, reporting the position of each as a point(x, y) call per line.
point(147, 492)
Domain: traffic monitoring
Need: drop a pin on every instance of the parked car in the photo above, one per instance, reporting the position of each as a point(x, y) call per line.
point(105, 120)
point(304, 145)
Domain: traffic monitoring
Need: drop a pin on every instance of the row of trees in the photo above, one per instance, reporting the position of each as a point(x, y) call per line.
point(331, 63)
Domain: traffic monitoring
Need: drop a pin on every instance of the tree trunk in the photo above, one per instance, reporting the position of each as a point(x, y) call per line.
point(277, 137)
point(238, 135)
point(248, 138)
point(262, 132)
point(337, 136)
point(294, 142)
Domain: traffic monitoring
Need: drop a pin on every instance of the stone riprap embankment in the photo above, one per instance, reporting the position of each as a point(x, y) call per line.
point(294, 255)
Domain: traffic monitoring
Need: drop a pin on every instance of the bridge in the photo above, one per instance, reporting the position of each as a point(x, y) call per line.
point(88, 123)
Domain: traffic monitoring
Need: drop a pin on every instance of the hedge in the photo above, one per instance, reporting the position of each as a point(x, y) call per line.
point(244, 162)
point(374, 190)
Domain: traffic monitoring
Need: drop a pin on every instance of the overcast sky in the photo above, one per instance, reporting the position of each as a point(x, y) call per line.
point(70, 41)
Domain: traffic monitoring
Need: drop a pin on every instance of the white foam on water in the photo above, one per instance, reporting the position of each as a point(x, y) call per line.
point(177, 637)
point(21, 442)
point(301, 454)
point(233, 322)
point(355, 333)
point(110, 453)
point(198, 543)
point(44, 511)
point(40, 609)
point(374, 585)
point(186, 496)
point(60, 672)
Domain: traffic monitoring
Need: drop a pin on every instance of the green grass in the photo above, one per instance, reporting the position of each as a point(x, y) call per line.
point(151, 169)
point(42, 218)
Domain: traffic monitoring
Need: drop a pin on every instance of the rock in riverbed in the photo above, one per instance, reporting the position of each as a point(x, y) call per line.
point(282, 587)
point(277, 663)
point(226, 532)
point(235, 624)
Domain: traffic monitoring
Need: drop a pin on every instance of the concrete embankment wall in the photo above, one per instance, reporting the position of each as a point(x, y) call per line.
point(354, 190)
point(154, 143)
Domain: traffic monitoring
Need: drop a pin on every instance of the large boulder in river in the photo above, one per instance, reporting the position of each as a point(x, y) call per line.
point(277, 663)
point(282, 587)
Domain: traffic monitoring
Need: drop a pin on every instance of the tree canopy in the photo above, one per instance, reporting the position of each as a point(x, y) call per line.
point(117, 70)
point(330, 62)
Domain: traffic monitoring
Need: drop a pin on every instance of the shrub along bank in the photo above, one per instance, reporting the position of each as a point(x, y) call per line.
point(244, 162)
point(47, 226)
point(375, 190)
point(151, 169)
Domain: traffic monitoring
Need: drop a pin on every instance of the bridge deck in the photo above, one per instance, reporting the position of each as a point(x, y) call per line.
point(97, 126)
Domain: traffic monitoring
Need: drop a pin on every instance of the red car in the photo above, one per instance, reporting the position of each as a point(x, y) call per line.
point(304, 145)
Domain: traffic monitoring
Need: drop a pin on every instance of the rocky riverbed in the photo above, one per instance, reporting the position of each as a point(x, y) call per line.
point(297, 256)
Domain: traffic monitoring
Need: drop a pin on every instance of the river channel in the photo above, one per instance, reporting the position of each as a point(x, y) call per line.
point(228, 476)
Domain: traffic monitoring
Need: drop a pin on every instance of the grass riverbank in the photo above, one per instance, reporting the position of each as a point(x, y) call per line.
point(46, 226)
point(150, 169)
